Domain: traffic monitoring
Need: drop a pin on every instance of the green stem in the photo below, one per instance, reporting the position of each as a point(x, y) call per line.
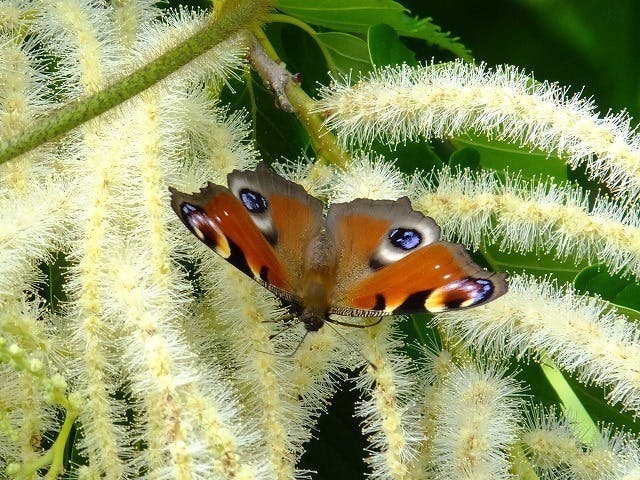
point(248, 79)
point(520, 465)
point(58, 447)
point(55, 455)
point(324, 142)
point(281, 18)
point(231, 19)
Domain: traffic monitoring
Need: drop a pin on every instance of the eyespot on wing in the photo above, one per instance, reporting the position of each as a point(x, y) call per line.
point(221, 221)
point(438, 277)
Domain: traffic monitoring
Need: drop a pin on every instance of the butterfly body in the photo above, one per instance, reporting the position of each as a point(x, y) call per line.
point(315, 293)
point(366, 258)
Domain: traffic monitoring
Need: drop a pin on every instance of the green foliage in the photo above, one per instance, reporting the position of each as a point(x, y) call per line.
point(358, 15)
point(465, 158)
point(623, 292)
point(386, 48)
point(350, 52)
point(579, 43)
point(502, 157)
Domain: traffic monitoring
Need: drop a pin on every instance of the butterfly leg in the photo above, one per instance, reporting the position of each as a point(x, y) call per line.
point(286, 318)
point(292, 312)
point(353, 347)
point(306, 332)
point(293, 352)
point(287, 327)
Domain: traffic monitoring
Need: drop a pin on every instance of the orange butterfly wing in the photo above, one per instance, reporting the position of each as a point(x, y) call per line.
point(291, 222)
point(220, 220)
point(260, 224)
point(390, 260)
point(437, 277)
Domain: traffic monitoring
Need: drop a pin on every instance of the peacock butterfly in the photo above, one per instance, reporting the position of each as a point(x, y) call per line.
point(366, 258)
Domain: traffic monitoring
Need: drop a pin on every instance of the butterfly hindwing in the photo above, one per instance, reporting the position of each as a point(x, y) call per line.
point(438, 277)
point(390, 260)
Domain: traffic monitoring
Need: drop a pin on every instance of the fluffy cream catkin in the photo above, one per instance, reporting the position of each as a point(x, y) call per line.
point(81, 34)
point(475, 424)
point(555, 452)
point(403, 103)
point(245, 312)
point(390, 419)
point(533, 215)
point(25, 366)
point(580, 334)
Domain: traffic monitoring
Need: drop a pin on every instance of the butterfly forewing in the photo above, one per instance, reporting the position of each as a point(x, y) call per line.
point(263, 224)
point(221, 221)
point(291, 220)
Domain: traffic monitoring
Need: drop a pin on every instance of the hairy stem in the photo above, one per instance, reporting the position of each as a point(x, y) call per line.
point(226, 23)
point(291, 97)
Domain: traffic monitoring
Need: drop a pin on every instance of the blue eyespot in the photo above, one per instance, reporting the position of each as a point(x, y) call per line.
point(405, 238)
point(253, 201)
point(484, 286)
point(187, 208)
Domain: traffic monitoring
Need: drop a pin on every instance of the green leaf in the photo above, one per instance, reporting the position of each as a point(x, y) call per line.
point(357, 15)
point(502, 156)
point(582, 422)
point(301, 53)
point(622, 292)
point(592, 398)
point(349, 53)
point(538, 264)
point(278, 134)
point(52, 287)
point(410, 156)
point(465, 158)
point(418, 330)
point(386, 48)
point(531, 375)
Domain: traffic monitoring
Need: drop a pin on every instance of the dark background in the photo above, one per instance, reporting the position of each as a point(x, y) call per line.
point(578, 43)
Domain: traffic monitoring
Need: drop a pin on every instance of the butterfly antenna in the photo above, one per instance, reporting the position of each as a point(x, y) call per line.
point(306, 332)
point(286, 355)
point(353, 346)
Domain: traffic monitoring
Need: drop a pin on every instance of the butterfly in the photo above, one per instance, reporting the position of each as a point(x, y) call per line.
point(366, 258)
